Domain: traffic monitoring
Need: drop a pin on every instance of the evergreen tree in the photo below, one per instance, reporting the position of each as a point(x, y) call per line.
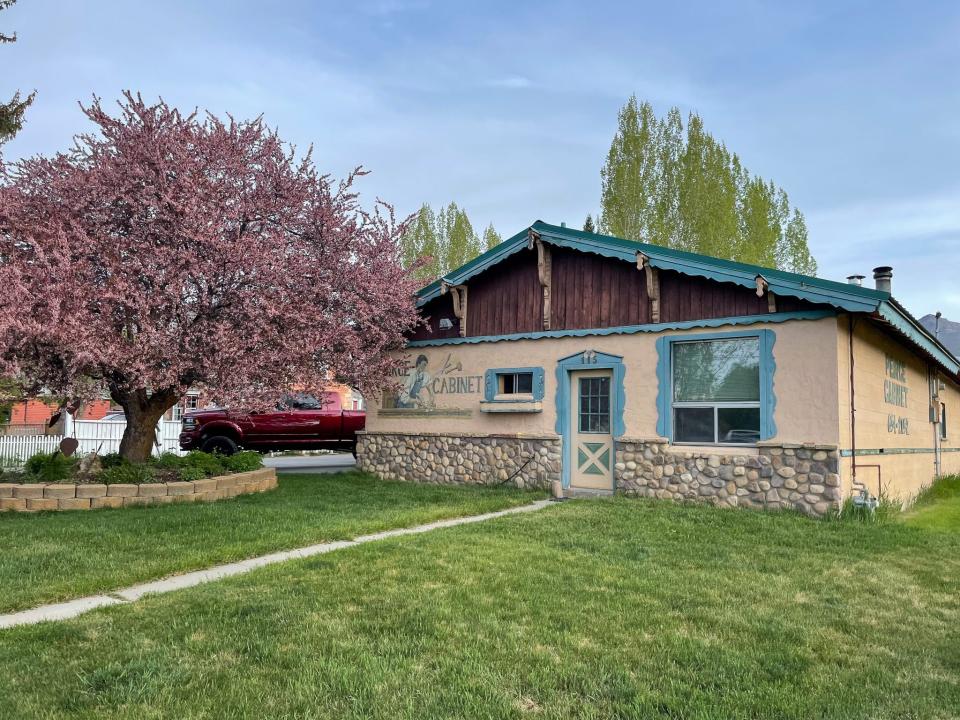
point(681, 188)
point(588, 225)
point(436, 243)
point(11, 113)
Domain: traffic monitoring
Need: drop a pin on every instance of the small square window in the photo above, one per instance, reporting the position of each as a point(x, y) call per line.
point(515, 383)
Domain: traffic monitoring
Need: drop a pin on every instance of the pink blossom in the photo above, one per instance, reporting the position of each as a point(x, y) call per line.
point(168, 251)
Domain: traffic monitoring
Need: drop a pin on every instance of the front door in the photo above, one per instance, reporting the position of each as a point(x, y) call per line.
point(591, 439)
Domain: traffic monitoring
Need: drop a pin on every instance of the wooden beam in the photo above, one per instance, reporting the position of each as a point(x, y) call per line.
point(653, 290)
point(762, 285)
point(544, 274)
point(771, 301)
point(458, 293)
point(532, 237)
point(462, 292)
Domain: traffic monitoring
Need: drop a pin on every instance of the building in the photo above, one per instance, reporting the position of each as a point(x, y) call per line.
point(606, 364)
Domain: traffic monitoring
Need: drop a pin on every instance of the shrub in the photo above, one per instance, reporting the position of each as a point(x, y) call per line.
point(189, 474)
point(49, 467)
point(167, 461)
point(127, 472)
point(111, 460)
point(243, 461)
point(210, 464)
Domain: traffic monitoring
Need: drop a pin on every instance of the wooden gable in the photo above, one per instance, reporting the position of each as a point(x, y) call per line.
point(588, 291)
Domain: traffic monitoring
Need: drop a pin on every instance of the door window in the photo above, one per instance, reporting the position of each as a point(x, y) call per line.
point(594, 412)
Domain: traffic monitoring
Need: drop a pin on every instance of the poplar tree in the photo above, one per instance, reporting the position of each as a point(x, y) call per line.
point(491, 238)
point(436, 243)
point(680, 187)
point(11, 113)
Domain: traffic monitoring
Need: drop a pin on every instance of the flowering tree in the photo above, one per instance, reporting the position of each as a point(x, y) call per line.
point(169, 251)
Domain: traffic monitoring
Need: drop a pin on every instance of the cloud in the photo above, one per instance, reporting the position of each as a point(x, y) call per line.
point(511, 82)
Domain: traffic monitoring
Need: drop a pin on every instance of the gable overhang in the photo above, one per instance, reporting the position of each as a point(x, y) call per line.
point(894, 316)
point(881, 306)
point(839, 295)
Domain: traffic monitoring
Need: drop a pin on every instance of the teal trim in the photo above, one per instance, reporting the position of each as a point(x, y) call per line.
point(768, 369)
point(840, 295)
point(587, 360)
point(905, 324)
point(631, 329)
point(894, 451)
point(490, 384)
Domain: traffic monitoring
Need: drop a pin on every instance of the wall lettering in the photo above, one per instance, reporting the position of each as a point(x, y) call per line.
point(895, 393)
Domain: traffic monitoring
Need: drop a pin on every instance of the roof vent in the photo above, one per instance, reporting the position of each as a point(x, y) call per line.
point(882, 277)
point(855, 280)
point(563, 224)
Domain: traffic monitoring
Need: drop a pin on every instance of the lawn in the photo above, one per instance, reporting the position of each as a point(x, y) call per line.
point(588, 609)
point(937, 507)
point(54, 556)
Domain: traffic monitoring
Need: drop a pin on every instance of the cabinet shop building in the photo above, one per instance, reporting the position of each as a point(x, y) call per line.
point(612, 365)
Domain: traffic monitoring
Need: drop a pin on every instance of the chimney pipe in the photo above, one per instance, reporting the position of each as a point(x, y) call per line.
point(882, 276)
point(855, 280)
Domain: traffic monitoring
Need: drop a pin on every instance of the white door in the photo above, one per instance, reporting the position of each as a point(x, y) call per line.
point(591, 438)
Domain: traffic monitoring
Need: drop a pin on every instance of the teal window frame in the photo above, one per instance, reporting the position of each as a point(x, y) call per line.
point(491, 385)
point(768, 367)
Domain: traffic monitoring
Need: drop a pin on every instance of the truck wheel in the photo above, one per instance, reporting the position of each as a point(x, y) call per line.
point(219, 444)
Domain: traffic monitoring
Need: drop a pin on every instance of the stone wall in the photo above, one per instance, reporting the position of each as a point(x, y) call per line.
point(30, 497)
point(799, 477)
point(528, 461)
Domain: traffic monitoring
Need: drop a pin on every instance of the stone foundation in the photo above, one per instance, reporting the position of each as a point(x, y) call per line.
point(527, 461)
point(33, 497)
point(779, 477)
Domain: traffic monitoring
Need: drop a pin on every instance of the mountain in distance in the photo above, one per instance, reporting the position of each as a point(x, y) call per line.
point(949, 332)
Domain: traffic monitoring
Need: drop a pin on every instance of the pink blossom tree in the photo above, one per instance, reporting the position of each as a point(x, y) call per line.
point(167, 251)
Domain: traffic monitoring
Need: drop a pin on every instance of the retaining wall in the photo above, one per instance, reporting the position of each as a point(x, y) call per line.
point(33, 497)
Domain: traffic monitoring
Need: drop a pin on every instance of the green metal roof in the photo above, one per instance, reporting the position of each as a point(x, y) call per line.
point(843, 296)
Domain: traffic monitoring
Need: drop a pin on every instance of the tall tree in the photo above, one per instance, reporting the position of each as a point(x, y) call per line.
point(11, 113)
point(437, 242)
point(491, 238)
point(588, 225)
point(167, 251)
point(681, 188)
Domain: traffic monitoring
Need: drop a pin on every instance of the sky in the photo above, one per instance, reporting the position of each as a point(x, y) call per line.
point(508, 108)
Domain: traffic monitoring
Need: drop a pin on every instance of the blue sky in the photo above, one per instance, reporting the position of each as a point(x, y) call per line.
point(508, 108)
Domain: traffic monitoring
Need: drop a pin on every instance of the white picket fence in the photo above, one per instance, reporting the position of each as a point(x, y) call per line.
point(101, 436)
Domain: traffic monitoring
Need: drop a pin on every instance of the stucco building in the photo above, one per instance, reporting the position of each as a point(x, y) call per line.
point(611, 365)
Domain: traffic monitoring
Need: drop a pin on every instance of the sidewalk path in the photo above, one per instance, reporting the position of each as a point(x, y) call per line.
point(72, 608)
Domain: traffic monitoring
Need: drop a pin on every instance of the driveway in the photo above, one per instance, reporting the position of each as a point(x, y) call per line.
point(311, 463)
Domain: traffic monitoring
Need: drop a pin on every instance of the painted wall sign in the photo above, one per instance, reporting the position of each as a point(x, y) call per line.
point(427, 387)
point(895, 393)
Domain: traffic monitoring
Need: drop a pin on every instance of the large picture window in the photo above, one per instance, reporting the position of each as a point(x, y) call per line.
point(716, 391)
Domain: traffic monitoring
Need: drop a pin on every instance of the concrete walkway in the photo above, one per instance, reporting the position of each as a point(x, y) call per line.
point(72, 608)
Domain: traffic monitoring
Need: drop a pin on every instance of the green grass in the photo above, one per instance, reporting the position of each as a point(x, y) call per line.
point(54, 556)
point(590, 609)
point(937, 507)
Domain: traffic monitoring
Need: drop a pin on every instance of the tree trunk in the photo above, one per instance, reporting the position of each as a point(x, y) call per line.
point(143, 411)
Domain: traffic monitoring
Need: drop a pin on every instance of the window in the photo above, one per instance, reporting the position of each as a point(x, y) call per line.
point(594, 407)
point(191, 402)
point(716, 391)
point(516, 389)
point(518, 383)
point(943, 421)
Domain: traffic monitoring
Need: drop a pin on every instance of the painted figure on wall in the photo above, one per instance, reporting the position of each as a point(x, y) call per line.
point(417, 392)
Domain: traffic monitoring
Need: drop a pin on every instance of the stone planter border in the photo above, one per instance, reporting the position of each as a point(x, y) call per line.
point(30, 497)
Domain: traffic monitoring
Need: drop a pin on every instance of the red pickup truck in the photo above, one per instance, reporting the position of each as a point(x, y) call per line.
point(301, 422)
